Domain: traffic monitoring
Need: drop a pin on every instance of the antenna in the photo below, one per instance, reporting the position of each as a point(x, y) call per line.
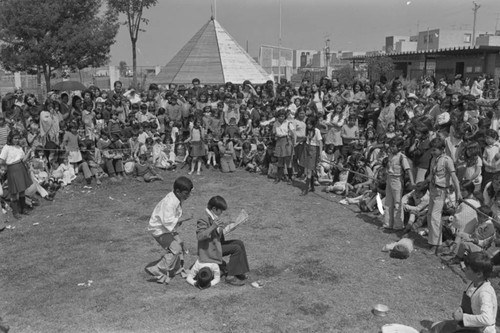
point(496, 23)
point(214, 13)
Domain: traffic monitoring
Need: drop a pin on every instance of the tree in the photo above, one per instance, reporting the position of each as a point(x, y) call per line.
point(133, 9)
point(378, 66)
point(122, 67)
point(46, 35)
point(345, 74)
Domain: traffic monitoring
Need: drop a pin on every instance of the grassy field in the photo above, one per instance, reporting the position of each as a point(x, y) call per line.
point(321, 263)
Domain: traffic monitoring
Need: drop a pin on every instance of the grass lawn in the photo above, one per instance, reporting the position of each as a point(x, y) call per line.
point(321, 263)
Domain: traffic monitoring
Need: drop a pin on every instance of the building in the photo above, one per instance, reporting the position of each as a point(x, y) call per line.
point(303, 58)
point(469, 61)
point(274, 59)
point(435, 39)
point(391, 42)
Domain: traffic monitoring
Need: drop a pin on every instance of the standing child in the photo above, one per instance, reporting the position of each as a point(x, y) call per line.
point(441, 176)
point(197, 146)
point(213, 150)
point(473, 164)
point(350, 134)
point(163, 224)
point(311, 153)
point(490, 156)
point(397, 167)
point(70, 143)
point(226, 149)
point(88, 116)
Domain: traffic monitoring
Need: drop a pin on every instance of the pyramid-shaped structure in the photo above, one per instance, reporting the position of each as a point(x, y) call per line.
point(214, 57)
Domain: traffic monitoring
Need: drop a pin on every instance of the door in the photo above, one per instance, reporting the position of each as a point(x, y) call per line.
point(459, 68)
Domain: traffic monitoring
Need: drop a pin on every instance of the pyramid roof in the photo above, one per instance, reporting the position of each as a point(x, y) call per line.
point(214, 57)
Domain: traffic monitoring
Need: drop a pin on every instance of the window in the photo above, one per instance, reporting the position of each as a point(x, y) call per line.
point(467, 38)
point(468, 69)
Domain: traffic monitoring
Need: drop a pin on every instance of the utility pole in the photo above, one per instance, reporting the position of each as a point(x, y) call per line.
point(427, 44)
point(279, 50)
point(475, 9)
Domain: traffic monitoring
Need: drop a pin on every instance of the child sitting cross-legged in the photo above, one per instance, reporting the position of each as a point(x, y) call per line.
point(143, 170)
point(415, 206)
point(478, 309)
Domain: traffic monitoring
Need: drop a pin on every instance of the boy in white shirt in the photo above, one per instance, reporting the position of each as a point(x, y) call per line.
point(163, 224)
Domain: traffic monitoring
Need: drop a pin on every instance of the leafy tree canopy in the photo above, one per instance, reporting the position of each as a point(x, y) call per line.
point(50, 34)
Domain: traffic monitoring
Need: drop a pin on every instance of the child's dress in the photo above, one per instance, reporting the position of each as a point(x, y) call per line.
point(160, 158)
point(70, 142)
point(65, 174)
point(471, 169)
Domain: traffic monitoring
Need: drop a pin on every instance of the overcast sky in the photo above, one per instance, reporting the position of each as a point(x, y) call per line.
point(355, 25)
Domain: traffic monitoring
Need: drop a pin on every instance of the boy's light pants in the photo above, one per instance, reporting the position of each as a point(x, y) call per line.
point(394, 214)
point(437, 196)
point(171, 261)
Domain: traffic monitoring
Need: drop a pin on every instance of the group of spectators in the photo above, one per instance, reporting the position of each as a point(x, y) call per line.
point(426, 155)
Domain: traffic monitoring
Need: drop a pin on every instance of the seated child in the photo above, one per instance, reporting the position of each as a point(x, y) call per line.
point(65, 173)
point(259, 159)
point(480, 240)
point(161, 155)
point(327, 162)
point(479, 302)
point(212, 246)
point(341, 187)
point(247, 156)
point(415, 205)
point(203, 275)
point(144, 172)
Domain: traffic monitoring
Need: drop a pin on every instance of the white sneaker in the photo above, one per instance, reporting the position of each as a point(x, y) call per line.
point(344, 202)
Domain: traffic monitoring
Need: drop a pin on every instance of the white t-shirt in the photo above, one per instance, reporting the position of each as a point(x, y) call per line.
point(12, 154)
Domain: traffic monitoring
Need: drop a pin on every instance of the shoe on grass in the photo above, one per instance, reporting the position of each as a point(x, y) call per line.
point(234, 281)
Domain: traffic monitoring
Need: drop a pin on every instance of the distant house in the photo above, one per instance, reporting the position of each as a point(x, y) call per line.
point(444, 63)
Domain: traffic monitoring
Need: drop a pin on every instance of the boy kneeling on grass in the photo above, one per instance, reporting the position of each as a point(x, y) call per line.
point(478, 310)
point(212, 246)
point(163, 224)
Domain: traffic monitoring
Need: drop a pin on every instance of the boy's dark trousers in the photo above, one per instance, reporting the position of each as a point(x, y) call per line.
point(238, 262)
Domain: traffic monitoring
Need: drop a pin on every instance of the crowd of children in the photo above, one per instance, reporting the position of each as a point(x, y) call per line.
point(426, 156)
point(362, 140)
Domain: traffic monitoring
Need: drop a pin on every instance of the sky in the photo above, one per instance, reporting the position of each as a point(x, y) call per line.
point(351, 25)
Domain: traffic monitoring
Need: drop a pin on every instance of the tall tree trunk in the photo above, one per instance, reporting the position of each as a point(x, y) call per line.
point(134, 63)
point(39, 83)
point(46, 74)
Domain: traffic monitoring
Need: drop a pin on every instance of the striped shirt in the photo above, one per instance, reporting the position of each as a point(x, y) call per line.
point(4, 132)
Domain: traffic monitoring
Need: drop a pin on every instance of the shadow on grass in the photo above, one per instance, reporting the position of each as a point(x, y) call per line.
point(370, 219)
point(314, 270)
point(314, 309)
